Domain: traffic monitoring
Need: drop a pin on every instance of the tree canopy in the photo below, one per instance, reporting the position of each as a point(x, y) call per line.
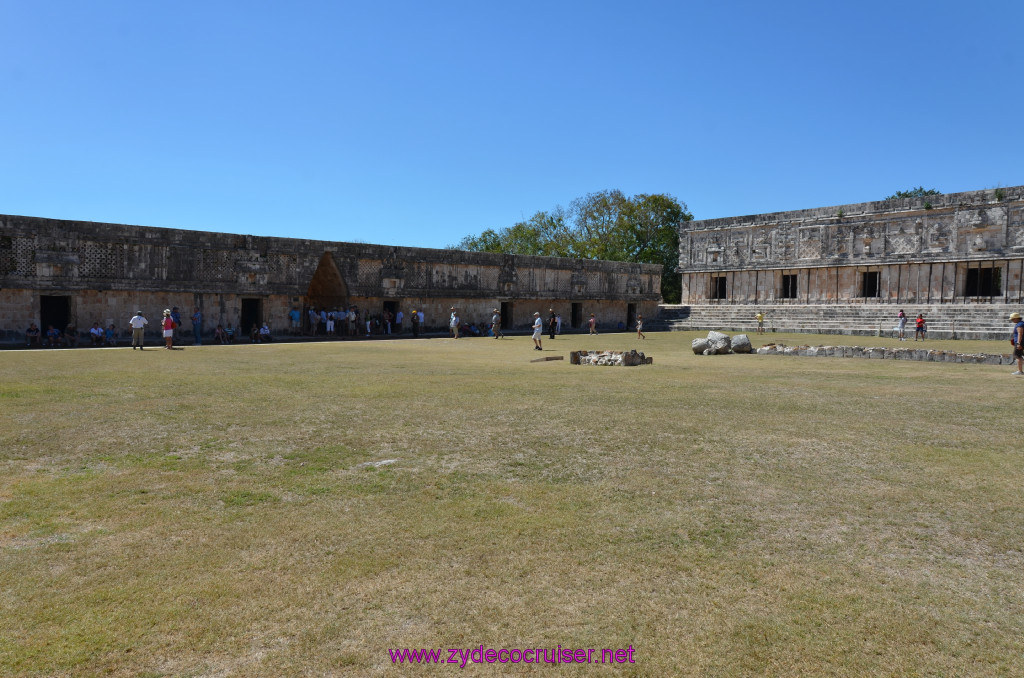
point(919, 192)
point(606, 225)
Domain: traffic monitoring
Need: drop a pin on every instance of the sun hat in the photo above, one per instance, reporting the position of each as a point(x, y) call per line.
point(1015, 316)
point(167, 311)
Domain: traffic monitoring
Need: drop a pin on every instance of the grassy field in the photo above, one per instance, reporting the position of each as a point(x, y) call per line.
point(292, 510)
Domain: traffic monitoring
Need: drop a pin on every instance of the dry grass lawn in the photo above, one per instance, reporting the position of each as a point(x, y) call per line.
point(224, 511)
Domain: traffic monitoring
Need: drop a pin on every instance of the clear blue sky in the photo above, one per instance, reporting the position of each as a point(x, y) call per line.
point(417, 123)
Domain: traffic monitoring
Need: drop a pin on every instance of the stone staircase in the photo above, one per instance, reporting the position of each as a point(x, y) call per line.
point(945, 321)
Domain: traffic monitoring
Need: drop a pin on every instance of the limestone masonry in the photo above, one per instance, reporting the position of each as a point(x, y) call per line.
point(56, 272)
point(956, 247)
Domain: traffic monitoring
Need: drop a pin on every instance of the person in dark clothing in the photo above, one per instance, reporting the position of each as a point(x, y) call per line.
point(552, 323)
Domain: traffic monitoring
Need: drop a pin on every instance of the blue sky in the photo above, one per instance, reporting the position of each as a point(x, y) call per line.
point(417, 123)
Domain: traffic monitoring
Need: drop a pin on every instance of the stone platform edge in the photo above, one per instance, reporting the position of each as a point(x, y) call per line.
point(919, 354)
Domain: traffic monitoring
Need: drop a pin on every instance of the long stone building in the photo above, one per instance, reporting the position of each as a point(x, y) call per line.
point(59, 272)
point(939, 249)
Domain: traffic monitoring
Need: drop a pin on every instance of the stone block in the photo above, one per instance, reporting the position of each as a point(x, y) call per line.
point(741, 344)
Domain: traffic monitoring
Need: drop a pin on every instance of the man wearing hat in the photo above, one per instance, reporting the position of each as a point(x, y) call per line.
point(496, 324)
point(1017, 339)
point(538, 326)
point(138, 323)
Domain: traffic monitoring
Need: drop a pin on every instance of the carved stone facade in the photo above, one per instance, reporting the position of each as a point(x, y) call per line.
point(94, 272)
point(963, 247)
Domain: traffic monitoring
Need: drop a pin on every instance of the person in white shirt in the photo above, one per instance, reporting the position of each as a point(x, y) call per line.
point(538, 326)
point(138, 323)
point(453, 323)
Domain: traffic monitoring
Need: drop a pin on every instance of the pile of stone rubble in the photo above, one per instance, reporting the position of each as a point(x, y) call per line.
point(721, 343)
point(887, 353)
point(628, 359)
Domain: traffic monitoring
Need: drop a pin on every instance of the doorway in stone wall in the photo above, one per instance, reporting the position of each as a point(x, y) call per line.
point(507, 307)
point(576, 319)
point(252, 314)
point(630, 316)
point(54, 311)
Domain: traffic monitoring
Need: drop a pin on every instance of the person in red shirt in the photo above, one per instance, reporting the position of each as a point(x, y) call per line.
point(920, 329)
point(168, 326)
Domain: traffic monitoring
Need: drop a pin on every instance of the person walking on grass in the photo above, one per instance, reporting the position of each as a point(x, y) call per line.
point(496, 324)
point(538, 327)
point(1017, 339)
point(168, 327)
point(592, 324)
point(640, 327)
point(138, 323)
point(552, 323)
point(453, 324)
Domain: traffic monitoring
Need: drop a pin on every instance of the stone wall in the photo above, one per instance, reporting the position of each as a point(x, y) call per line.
point(107, 271)
point(936, 249)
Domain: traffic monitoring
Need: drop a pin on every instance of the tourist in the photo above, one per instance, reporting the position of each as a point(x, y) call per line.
point(592, 324)
point(920, 329)
point(330, 322)
point(71, 335)
point(640, 327)
point(32, 336)
point(538, 326)
point(399, 317)
point(229, 333)
point(254, 334)
point(422, 318)
point(760, 322)
point(558, 323)
point(453, 324)
point(53, 338)
point(296, 319)
point(901, 325)
point(552, 322)
point(1017, 339)
point(314, 320)
point(176, 317)
point(96, 334)
point(219, 335)
point(265, 334)
point(110, 335)
point(496, 324)
point(168, 327)
point(138, 324)
point(197, 326)
point(415, 319)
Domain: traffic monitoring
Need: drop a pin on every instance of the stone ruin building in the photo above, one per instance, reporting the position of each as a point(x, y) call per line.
point(956, 256)
point(56, 272)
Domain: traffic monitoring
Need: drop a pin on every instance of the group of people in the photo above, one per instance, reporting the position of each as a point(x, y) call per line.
point(920, 326)
point(352, 322)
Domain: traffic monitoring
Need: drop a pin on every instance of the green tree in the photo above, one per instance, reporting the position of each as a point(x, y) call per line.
point(605, 225)
point(919, 192)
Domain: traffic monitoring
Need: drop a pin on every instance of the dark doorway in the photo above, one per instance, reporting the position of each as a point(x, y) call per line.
point(506, 315)
point(391, 306)
point(630, 316)
point(983, 282)
point(788, 287)
point(718, 287)
point(869, 284)
point(577, 316)
point(54, 311)
point(252, 314)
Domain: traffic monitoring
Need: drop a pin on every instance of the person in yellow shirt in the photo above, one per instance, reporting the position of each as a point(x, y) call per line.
point(760, 322)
